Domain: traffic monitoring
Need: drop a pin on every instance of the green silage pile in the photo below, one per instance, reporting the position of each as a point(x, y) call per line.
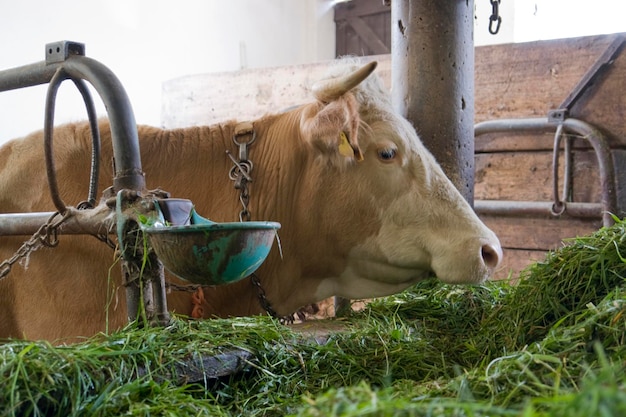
point(554, 345)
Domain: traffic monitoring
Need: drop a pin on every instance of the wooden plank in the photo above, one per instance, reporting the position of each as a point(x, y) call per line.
point(527, 176)
point(514, 261)
point(540, 234)
point(604, 104)
point(529, 79)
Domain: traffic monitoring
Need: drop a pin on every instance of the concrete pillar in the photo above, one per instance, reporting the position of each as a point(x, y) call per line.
point(432, 52)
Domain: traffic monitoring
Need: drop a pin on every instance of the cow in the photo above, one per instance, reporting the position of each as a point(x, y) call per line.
point(365, 210)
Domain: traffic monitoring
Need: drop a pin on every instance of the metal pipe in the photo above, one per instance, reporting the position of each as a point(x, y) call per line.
point(128, 172)
point(537, 125)
point(66, 60)
point(433, 80)
point(27, 76)
point(536, 208)
point(81, 222)
point(585, 131)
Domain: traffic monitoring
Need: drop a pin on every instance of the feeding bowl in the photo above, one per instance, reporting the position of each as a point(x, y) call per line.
point(206, 252)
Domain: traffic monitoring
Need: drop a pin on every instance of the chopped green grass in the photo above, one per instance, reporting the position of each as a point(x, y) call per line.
point(554, 345)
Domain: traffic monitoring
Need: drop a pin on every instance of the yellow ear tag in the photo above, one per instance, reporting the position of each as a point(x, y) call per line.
point(345, 148)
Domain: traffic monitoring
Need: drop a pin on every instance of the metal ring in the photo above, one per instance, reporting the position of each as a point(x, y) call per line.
point(244, 134)
point(558, 208)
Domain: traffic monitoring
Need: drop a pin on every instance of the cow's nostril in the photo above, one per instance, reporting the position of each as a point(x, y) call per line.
point(491, 256)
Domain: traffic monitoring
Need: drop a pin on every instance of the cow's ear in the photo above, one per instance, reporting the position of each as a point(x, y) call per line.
point(333, 127)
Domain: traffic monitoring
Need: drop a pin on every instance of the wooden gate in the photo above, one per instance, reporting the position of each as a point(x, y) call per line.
point(363, 28)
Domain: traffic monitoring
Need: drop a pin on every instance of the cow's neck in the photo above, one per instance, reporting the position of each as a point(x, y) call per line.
point(288, 186)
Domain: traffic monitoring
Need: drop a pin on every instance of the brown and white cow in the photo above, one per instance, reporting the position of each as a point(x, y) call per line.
point(350, 227)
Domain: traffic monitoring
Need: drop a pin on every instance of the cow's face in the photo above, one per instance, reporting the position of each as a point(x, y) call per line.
point(399, 214)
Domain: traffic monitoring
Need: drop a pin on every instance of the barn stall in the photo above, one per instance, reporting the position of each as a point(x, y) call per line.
point(489, 378)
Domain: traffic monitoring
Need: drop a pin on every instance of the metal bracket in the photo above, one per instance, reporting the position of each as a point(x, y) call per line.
point(558, 115)
point(60, 51)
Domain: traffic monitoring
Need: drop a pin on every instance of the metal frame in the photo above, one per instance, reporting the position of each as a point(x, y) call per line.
point(145, 289)
point(599, 143)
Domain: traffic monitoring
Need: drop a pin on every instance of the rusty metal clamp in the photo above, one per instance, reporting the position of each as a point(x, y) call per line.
point(243, 130)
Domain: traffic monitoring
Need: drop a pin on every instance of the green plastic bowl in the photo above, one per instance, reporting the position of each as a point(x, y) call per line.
point(209, 253)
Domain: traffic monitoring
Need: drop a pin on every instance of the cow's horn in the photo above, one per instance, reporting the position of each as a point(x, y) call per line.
point(328, 90)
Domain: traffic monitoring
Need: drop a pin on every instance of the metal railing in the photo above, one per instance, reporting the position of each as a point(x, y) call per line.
point(65, 60)
point(560, 204)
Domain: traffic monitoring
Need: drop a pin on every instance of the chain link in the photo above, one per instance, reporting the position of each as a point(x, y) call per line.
point(46, 235)
point(242, 168)
point(265, 303)
point(240, 173)
point(495, 18)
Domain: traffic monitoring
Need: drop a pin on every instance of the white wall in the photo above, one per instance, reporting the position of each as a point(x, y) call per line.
point(145, 42)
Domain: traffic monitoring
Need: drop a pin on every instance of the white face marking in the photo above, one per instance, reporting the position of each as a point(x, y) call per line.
point(425, 224)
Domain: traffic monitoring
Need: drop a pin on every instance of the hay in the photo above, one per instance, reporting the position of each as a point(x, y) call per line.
point(554, 345)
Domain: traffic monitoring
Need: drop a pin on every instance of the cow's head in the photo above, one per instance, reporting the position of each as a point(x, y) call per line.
point(383, 202)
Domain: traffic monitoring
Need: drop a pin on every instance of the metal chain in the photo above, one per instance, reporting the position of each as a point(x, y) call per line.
point(240, 174)
point(265, 303)
point(242, 168)
point(495, 17)
point(46, 235)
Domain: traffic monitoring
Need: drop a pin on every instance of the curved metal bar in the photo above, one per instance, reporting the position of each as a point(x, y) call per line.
point(95, 142)
point(567, 180)
point(605, 164)
point(48, 127)
point(558, 206)
point(48, 133)
point(128, 173)
point(586, 131)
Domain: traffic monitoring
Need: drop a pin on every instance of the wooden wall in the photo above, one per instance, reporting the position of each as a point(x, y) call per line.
point(512, 81)
point(528, 80)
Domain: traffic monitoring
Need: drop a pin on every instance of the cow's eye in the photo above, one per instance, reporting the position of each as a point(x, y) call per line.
point(387, 154)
